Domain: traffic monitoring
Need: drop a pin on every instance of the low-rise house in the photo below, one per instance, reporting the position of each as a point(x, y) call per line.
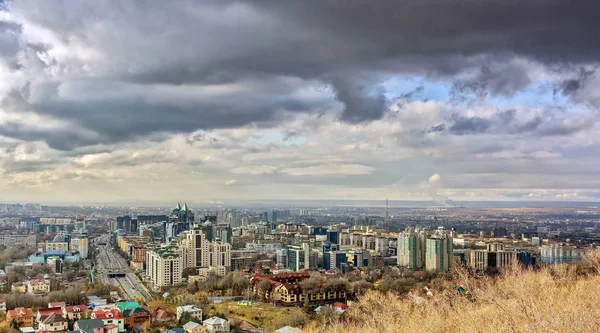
point(38, 286)
point(89, 325)
point(76, 312)
point(193, 327)
point(2, 304)
point(53, 323)
point(47, 311)
point(136, 316)
point(176, 330)
point(96, 301)
point(194, 312)
point(162, 315)
point(57, 305)
point(126, 305)
point(92, 326)
point(286, 289)
point(18, 287)
point(23, 316)
point(111, 328)
point(109, 316)
point(216, 325)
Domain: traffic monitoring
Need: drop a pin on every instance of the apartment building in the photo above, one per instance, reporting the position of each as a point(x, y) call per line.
point(411, 249)
point(495, 255)
point(164, 265)
point(438, 252)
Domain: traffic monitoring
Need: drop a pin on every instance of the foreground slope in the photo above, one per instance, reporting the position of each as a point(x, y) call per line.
point(562, 298)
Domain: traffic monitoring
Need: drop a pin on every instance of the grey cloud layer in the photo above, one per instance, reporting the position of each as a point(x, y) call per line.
point(298, 95)
point(122, 70)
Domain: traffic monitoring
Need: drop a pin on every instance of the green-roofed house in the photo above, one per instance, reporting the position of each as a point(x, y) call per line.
point(126, 305)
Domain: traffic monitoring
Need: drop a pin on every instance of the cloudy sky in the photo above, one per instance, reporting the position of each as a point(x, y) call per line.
point(159, 101)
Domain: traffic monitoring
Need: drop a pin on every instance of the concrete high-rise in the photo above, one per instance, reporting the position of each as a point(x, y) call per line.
point(333, 236)
point(438, 252)
point(220, 255)
point(494, 256)
point(164, 265)
point(411, 249)
point(196, 251)
point(295, 258)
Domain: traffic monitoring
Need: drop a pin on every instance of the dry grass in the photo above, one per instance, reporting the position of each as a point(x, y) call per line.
point(554, 299)
point(262, 315)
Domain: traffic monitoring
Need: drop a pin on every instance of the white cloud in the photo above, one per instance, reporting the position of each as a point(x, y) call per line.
point(330, 170)
point(255, 170)
point(435, 178)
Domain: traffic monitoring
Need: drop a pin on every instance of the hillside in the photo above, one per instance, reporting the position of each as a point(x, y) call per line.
point(561, 298)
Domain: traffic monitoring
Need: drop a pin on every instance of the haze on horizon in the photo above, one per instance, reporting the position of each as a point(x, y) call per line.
point(154, 101)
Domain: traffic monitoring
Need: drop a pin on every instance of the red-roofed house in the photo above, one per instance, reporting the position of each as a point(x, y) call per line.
point(286, 289)
point(109, 316)
point(163, 315)
point(23, 316)
point(76, 312)
point(45, 312)
point(111, 328)
point(53, 323)
point(57, 305)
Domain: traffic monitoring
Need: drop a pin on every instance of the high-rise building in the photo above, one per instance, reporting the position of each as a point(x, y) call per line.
point(295, 257)
point(560, 253)
point(495, 255)
point(411, 249)
point(362, 258)
point(438, 252)
point(334, 259)
point(191, 249)
point(196, 252)
point(220, 255)
point(282, 257)
point(223, 232)
point(81, 245)
point(56, 264)
point(536, 241)
point(164, 265)
point(333, 236)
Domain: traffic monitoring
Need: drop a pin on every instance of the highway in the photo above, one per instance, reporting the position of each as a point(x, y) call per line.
point(109, 261)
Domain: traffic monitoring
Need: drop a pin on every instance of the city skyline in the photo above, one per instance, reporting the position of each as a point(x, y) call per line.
point(228, 101)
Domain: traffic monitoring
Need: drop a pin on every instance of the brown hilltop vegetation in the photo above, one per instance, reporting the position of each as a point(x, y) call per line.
point(557, 298)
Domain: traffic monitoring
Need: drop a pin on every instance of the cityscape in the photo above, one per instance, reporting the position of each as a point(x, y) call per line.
point(299, 166)
point(204, 269)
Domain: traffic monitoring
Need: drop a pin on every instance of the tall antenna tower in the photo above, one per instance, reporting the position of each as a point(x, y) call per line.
point(387, 209)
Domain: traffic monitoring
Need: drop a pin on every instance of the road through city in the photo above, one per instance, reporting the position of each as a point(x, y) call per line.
point(108, 261)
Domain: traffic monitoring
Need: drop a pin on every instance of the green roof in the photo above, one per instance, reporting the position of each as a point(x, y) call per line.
point(126, 305)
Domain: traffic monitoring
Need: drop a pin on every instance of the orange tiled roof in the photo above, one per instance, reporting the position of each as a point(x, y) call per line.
point(21, 313)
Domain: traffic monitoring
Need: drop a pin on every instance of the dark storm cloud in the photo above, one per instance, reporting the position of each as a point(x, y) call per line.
point(550, 123)
point(462, 125)
point(362, 101)
point(216, 43)
point(497, 79)
point(572, 86)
